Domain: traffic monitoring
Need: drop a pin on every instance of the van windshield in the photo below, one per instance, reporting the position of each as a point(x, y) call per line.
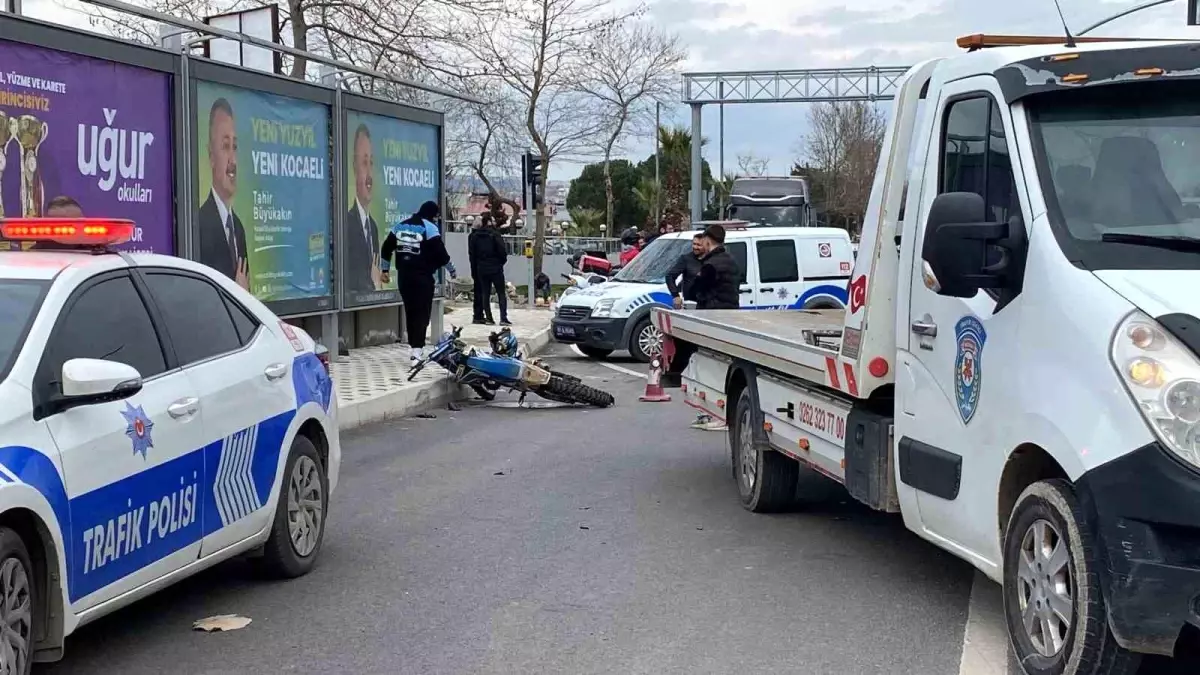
point(1120, 170)
point(651, 265)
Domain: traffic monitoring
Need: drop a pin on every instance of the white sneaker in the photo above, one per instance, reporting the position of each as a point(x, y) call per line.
point(414, 354)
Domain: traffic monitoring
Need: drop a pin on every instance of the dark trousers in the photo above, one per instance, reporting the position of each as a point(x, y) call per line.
point(495, 281)
point(477, 297)
point(417, 295)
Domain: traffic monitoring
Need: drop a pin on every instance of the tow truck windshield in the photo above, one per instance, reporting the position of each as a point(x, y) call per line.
point(651, 265)
point(1121, 174)
point(19, 301)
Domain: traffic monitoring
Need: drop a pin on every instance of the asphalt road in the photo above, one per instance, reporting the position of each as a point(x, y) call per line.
point(499, 540)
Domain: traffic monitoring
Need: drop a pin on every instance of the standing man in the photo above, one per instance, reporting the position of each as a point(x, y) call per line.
point(716, 286)
point(416, 243)
point(222, 237)
point(688, 267)
point(477, 292)
point(490, 255)
point(362, 232)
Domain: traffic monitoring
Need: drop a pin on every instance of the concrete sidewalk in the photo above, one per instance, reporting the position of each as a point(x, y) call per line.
point(372, 383)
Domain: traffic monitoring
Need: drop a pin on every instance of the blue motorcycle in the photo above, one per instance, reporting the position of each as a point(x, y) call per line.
point(503, 368)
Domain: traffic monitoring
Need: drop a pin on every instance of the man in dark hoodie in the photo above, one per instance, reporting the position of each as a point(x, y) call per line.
point(416, 243)
point(485, 219)
point(716, 287)
point(490, 253)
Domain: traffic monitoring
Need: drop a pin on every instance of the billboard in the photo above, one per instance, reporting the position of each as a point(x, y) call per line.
point(391, 166)
point(80, 135)
point(263, 207)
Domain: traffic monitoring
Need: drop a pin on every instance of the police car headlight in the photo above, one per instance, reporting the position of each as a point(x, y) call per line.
point(603, 308)
point(1163, 377)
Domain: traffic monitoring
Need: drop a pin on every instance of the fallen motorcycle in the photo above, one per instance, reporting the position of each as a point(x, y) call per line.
point(503, 368)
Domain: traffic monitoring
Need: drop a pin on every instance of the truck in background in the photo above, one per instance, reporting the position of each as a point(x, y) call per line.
point(1017, 372)
point(767, 201)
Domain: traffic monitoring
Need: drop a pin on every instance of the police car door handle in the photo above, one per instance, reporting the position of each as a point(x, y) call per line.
point(746, 289)
point(184, 407)
point(767, 289)
point(275, 371)
point(925, 327)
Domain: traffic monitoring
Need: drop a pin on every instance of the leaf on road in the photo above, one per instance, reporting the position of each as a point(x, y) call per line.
point(221, 623)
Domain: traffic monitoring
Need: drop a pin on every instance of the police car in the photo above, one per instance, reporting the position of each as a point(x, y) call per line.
point(155, 419)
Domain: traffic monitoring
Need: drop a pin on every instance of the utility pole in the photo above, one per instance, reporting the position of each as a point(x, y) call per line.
point(13, 6)
point(721, 141)
point(657, 178)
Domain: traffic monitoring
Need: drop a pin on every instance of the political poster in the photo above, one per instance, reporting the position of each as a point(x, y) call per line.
point(392, 167)
point(86, 137)
point(263, 207)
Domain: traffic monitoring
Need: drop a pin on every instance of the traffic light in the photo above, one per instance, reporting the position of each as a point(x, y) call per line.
point(531, 179)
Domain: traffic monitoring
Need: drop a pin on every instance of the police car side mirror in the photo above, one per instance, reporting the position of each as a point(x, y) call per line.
point(91, 381)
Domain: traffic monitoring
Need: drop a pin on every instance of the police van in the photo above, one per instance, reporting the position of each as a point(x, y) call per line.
point(155, 419)
point(782, 268)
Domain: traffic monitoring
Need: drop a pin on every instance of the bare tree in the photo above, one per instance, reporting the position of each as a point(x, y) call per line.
point(533, 47)
point(487, 141)
point(840, 154)
point(629, 67)
point(751, 165)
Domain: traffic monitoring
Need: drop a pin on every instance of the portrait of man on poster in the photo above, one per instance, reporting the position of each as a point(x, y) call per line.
point(222, 236)
point(362, 232)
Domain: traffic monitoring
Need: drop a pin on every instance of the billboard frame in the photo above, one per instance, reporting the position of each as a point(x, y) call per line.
point(204, 70)
point(40, 34)
point(360, 103)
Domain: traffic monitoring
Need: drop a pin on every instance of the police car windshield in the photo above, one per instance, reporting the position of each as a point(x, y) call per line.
point(651, 265)
point(19, 300)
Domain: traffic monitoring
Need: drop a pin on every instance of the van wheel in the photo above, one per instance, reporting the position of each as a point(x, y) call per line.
point(300, 515)
point(645, 341)
point(1057, 621)
point(18, 604)
point(766, 479)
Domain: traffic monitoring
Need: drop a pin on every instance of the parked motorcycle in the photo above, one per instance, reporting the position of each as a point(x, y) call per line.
point(503, 368)
point(587, 271)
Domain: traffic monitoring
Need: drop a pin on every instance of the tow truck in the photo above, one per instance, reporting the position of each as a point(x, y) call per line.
point(1017, 372)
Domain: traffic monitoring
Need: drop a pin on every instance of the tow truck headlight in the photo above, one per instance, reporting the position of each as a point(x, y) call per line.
point(603, 309)
point(1163, 377)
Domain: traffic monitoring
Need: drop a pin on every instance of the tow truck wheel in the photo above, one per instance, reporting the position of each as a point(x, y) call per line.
point(18, 604)
point(1056, 616)
point(299, 525)
point(766, 479)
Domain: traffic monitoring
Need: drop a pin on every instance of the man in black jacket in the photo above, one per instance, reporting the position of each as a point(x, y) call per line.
point(477, 292)
point(490, 255)
point(688, 267)
point(716, 287)
point(419, 251)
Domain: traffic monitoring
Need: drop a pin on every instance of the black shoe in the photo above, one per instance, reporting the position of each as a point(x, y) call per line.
point(505, 322)
point(489, 322)
point(478, 321)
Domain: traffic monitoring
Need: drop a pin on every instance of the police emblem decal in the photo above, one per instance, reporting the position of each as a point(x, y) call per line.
point(137, 428)
point(970, 337)
point(782, 293)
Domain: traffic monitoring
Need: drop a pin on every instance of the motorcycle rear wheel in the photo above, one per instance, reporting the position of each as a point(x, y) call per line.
point(567, 389)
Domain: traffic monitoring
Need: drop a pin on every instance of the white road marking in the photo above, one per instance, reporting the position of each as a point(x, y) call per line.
point(622, 369)
point(985, 639)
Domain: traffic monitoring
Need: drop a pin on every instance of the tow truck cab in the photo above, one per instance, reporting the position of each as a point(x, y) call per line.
point(1018, 368)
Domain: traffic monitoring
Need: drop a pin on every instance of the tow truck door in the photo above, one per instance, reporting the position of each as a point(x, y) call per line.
point(953, 379)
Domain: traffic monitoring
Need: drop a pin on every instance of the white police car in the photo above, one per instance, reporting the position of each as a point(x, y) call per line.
point(782, 268)
point(155, 419)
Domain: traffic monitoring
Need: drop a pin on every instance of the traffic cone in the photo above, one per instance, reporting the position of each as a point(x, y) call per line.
point(654, 389)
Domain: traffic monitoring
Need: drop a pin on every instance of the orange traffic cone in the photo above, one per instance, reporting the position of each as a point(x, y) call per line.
point(654, 389)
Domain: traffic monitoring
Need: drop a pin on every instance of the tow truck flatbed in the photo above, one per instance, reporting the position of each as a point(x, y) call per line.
point(797, 343)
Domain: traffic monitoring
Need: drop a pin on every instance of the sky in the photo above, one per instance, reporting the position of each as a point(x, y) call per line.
point(741, 35)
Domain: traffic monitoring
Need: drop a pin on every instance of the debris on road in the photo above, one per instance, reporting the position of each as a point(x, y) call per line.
point(453, 407)
point(499, 473)
point(425, 416)
point(221, 623)
point(584, 527)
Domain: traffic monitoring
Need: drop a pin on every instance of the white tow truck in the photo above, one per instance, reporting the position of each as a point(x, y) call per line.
point(1017, 371)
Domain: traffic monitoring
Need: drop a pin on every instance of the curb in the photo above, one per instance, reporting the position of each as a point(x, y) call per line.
point(410, 401)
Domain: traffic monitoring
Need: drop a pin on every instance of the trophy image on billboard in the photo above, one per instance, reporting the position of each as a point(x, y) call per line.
point(31, 132)
point(8, 129)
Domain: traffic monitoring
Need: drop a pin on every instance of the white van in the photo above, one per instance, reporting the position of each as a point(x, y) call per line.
point(784, 268)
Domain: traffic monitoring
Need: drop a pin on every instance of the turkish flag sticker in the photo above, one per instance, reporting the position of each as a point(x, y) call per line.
point(858, 294)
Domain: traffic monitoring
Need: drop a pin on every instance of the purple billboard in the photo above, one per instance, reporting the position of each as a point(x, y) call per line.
point(84, 136)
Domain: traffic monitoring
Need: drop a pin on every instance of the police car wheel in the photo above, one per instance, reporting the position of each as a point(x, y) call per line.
point(645, 341)
point(299, 525)
point(1053, 605)
point(18, 605)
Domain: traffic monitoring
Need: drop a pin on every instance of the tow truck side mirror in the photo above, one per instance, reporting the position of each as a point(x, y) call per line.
point(966, 252)
point(92, 381)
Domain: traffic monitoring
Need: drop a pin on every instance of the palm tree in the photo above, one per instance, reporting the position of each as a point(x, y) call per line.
point(675, 145)
point(587, 222)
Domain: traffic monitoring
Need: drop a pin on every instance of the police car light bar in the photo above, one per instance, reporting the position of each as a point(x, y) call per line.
point(84, 232)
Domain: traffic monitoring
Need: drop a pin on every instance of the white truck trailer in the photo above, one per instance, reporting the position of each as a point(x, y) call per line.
point(1017, 371)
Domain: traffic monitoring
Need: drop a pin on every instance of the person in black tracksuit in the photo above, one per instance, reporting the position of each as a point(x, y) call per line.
point(490, 254)
point(416, 243)
point(688, 267)
point(477, 293)
point(715, 287)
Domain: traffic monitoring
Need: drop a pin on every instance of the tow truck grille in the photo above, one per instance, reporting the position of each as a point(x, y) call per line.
point(573, 313)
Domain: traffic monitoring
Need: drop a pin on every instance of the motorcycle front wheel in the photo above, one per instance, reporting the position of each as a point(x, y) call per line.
point(567, 389)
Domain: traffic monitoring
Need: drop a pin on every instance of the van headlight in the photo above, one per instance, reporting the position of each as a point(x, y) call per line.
point(603, 309)
point(1163, 377)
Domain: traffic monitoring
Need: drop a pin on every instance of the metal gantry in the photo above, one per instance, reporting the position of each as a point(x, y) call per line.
point(822, 85)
